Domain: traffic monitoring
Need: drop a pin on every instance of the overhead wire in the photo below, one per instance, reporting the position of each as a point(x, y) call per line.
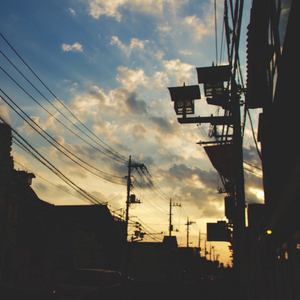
point(150, 206)
point(258, 168)
point(51, 167)
point(38, 175)
point(148, 185)
point(151, 183)
point(253, 134)
point(73, 132)
point(150, 178)
point(58, 187)
point(110, 149)
point(42, 130)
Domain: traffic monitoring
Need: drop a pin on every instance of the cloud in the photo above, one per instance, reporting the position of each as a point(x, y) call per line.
point(139, 130)
point(112, 8)
point(93, 101)
point(40, 187)
point(160, 80)
point(4, 112)
point(75, 47)
point(251, 156)
point(101, 127)
point(127, 104)
point(48, 124)
point(159, 54)
point(135, 106)
point(135, 44)
point(185, 52)
point(98, 8)
point(163, 127)
point(182, 71)
point(164, 29)
point(198, 27)
point(132, 78)
point(196, 186)
point(72, 11)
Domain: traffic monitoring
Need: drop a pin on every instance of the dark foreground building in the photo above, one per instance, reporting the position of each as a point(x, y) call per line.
point(273, 86)
point(41, 243)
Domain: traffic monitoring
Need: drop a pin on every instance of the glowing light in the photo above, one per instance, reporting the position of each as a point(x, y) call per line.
point(259, 193)
point(269, 231)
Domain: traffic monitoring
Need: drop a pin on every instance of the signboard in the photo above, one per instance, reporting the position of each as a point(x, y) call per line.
point(218, 232)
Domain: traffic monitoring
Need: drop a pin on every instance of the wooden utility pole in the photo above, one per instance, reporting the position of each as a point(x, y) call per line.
point(128, 195)
point(188, 223)
point(170, 219)
point(128, 202)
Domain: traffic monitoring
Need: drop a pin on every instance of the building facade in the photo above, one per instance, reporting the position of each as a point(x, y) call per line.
point(39, 242)
point(273, 72)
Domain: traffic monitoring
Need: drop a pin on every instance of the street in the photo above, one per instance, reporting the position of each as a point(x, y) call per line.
point(214, 290)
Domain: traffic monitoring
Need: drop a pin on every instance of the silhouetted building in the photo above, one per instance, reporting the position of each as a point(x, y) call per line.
point(40, 242)
point(272, 85)
point(165, 262)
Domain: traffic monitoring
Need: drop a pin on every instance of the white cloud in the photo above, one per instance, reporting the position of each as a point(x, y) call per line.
point(90, 103)
point(111, 8)
point(182, 71)
point(185, 52)
point(160, 54)
point(164, 29)
point(98, 8)
point(103, 127)
point(132, 78)
point(48, 124)
point(199, 27)
point(134, 44)
point(72, 11)
point(4, 112)
point(75, 47)
point(160, 80)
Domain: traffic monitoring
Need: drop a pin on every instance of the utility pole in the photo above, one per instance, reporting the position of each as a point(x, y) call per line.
point(187, 231)
point(128, 196)
point(199, 242)
point(129, 200)
point(170, 219)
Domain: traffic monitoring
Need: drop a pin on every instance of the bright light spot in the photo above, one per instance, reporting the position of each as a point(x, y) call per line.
point(259, 193)
point(269, 231)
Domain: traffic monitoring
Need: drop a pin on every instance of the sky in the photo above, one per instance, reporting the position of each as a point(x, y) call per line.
point(93, 76)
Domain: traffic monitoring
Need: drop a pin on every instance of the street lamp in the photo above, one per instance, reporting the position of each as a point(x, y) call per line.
point(213, 79)
point(183, 97)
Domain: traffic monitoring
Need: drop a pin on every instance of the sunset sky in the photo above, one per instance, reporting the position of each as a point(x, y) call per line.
point(100, 95)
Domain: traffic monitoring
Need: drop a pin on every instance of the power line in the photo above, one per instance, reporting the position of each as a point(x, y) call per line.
point(52, 168)
point(58, 142)
point(111, 150)
point(254, 138)
point(58, 187)
point(61, 114)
